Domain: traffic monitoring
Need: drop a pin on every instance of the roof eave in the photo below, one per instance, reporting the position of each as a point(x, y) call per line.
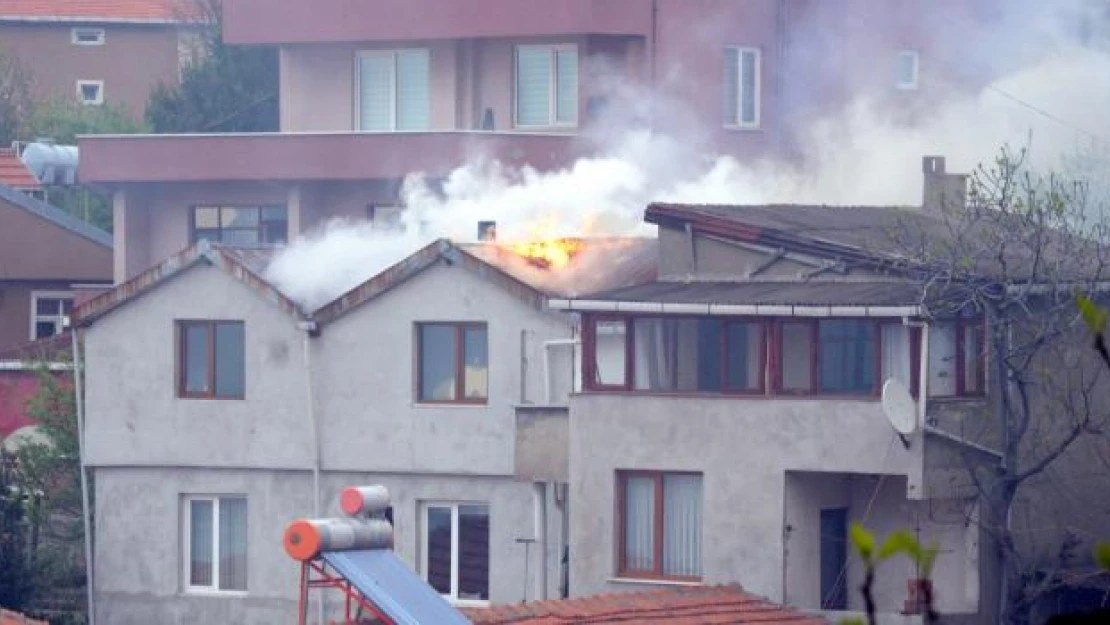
point(712, 309)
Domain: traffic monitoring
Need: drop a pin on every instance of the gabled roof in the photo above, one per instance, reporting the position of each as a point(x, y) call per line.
point(97, 11)
point(14, 173)
point(233, 262)
point(703, 605)
point(55, 215)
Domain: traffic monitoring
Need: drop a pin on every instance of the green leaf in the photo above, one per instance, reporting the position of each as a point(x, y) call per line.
point(1102, 555)
point(854, 620)
point(1093, 314)
point(863, 540)
point(900, 541)
point(926, 558)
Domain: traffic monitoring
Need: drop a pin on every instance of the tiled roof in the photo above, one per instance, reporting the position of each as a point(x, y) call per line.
point(54, 215)
point(801, 293)
point(696, 605)
point(13, 172)
point(143, 11)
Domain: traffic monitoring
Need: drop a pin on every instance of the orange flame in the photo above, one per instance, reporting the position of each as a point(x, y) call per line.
point(548, 253)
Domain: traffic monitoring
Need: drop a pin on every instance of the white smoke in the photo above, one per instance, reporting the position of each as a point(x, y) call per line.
point(1055, 104)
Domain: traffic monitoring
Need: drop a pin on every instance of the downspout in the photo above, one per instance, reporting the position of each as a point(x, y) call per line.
point(540, 503)
point(86, 516)
point(310, 329)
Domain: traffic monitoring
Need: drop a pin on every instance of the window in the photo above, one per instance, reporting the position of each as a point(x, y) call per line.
point(698, 354)
point(906, 69)
point(659, 524)
point(87, 36)
point(742, 87)
point(385, 217)
point(90, 92)
point(830, 356)
point(49, 312)
point(216, 543)
point(245, 226)
point(455, 550)
point(956, 357)
point(609, 365)
point(394, 90)
point(546, 86)
point(453, 362)
point(211, 359)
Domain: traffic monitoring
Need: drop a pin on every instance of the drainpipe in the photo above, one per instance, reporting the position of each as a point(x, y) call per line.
point(86, 516)
point(310, 329)
point(540, 504)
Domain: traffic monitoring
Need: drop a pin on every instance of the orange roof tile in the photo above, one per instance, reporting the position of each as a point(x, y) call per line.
point(13, 172)
point(694, 605)
point(96, 10)
point(12, 618)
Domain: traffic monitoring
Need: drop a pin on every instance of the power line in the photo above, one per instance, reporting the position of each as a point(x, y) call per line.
point(1044, 113)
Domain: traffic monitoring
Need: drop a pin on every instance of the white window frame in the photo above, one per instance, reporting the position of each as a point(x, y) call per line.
point(553, 87)
point(60, 319)
point(453, 597)
point(908, 85)
point(187, 542)
point(392, 55)
point(99, 84)
point(98, 33)
point(735, 119)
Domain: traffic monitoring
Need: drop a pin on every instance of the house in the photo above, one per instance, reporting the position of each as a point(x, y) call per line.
point(45, 255)
point(215, 420)
point(373, 92)
point(97, 53)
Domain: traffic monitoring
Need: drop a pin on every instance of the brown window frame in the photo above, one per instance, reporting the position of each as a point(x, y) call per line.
point(815, 390)
point(589, 363)
point(259, 229)
point(179, 331)
point(657, 527)
point(460, 328)
point(963, 324)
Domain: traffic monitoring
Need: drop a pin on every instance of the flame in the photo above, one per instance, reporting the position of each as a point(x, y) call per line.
point(548, 253)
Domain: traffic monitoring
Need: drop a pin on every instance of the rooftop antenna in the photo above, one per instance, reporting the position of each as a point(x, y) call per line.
point(900, 410)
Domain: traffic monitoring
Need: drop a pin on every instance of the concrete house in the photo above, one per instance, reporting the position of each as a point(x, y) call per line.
point(97, 53)
point(214, 421)
point(737, 401)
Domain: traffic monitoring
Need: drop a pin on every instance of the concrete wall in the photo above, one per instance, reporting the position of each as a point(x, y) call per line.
point(743, 449)
point(134, 415)
point(133, 60)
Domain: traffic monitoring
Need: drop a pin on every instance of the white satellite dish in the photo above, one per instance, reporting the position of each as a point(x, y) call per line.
point(899, 407)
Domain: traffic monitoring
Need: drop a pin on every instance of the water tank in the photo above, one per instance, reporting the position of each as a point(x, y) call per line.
point(51, 164)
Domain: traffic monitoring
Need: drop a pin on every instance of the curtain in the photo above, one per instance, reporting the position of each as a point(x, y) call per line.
point(200, 543)
point(654, 352)
point(375, 96)
point(533, 86)
point(233, 543)
point(942, 359)
point(682, 525)
point(896, 354)
point(609, 344)
point(413, 89)
point(639, 524)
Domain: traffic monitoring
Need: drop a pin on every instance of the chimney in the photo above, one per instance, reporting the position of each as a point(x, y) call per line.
point(487, 230)
point(943, 191)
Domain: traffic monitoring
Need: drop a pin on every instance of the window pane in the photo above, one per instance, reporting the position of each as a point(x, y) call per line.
point(233, 543)
point(744, 356)
point(206, 217)
point(709, 354)
point(609, 356)
point(230, 360)
point(45, 329)
point(973, 358)
point(732, 86)
point(375, 83)
point(896, 354)
point(239, 217)
point(749, 77)
point(654, 354)
point(639, 524)
point(246, 238)
point(474, 552)
point(847, 356)
point(942, 359)
point(413, 90)
point(476, 359)
point(533, 86)
point(439, 549)
point(274, 213)
point(566, 86)
point(797, 357)
point(200, 543)
point(682, 525)
point(195, 344)
point(437, 362)
point(206, 235)
point(48, 306)
point(907, 68)
point(67, 306)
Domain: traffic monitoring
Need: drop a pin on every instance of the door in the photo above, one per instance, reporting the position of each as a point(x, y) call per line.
point(834, 559)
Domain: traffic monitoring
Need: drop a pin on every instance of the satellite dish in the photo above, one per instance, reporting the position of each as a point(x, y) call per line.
point(899, 408)
point(26, 435)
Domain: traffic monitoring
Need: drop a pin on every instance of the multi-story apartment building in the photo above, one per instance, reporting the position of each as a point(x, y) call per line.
point(97, 53)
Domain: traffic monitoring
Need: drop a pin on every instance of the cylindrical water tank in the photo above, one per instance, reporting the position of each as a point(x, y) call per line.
point(307, 538)
point(364, 500)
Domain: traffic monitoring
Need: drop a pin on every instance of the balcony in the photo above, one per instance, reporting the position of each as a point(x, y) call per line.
point(296, 21)
point(116, 159)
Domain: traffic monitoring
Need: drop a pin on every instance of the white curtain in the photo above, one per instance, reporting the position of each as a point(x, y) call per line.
point(233, 543)
point(654, 354)
point(942, 359)
point(896, 354)
point(639, 520)
point(609, 348)
point(200, 543)
point(682, 525)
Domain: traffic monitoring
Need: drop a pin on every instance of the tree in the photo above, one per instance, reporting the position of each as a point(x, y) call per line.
point(230, 89)
point(15, 98)
point(1016, 252)
point(15, 574)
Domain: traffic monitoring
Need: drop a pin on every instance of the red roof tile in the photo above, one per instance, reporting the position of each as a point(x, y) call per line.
point(13, 172)
point(94, 10)
point(694, 605)
point(12, 618)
